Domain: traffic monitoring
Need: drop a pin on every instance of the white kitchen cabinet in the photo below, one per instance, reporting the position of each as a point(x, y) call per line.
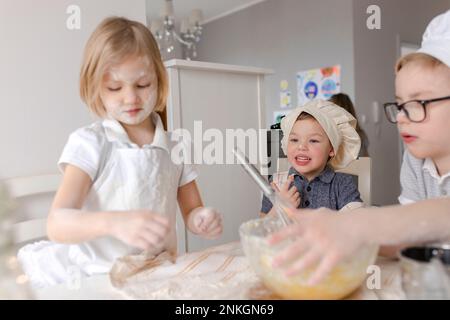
point(222, 97)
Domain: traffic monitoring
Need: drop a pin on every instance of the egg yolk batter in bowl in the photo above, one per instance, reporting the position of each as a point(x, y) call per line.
point(342, 280)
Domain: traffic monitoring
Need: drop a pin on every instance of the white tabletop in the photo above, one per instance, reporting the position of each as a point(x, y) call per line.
point(99, 287)
point(93, 288)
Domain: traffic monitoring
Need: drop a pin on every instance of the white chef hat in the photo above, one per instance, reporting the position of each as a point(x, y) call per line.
point(338, 124)
point(436, 39)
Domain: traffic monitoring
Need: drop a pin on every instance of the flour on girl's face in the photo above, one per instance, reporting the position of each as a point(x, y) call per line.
point(130, 90)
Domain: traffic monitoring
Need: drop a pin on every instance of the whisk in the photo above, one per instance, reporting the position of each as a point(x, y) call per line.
point(278, 203)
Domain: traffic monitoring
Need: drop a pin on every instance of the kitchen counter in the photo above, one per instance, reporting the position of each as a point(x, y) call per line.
point(220, 272)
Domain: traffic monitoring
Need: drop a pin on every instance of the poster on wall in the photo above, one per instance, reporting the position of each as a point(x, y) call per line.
point(285, 95)
point(319, 83)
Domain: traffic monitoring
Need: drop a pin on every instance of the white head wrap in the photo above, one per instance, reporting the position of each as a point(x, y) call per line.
point(436, 39)
point(338, 124)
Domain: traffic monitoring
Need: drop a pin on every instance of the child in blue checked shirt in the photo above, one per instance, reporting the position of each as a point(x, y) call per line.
point(318, 138)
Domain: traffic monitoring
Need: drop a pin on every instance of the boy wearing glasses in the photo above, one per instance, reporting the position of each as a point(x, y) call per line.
point(422, 114)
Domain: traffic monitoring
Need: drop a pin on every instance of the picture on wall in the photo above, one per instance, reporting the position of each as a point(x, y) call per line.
point(285, 95)
point(319, 83)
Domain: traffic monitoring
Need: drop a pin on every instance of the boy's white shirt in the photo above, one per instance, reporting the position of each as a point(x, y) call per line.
point(428, 165)
point(127, 178)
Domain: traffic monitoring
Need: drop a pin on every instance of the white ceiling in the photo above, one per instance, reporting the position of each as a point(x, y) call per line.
point(212, 9)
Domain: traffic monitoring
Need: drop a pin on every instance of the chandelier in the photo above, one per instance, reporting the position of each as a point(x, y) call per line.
point(165, 33)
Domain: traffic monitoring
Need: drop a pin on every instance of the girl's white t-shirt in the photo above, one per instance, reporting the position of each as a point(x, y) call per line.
point(124, 177)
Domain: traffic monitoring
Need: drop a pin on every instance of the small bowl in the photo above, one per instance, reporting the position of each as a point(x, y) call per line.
point(423, 278)
point(343, 279)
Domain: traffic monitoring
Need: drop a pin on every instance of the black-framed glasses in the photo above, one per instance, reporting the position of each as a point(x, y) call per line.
point(414, 110)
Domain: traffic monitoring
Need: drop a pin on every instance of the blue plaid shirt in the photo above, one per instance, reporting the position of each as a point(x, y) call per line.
point(333, 190)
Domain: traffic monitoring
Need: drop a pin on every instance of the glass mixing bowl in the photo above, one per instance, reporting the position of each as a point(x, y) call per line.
point(343, 279)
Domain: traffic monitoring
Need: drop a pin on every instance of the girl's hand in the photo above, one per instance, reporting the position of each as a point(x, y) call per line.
point(290, 195)
point(205, 222)
point(140, 228)
point(321, 237)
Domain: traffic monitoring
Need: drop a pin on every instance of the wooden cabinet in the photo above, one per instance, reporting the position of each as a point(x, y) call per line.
point(221, 97)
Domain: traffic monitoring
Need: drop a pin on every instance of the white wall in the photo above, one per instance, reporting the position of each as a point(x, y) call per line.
point(286, 36)
point(39, 62)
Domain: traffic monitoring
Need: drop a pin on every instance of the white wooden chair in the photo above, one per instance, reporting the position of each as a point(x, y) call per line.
point(22, 187)
point(362, 168)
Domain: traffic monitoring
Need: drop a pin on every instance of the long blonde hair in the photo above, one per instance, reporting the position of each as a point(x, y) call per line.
point(113, 40)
